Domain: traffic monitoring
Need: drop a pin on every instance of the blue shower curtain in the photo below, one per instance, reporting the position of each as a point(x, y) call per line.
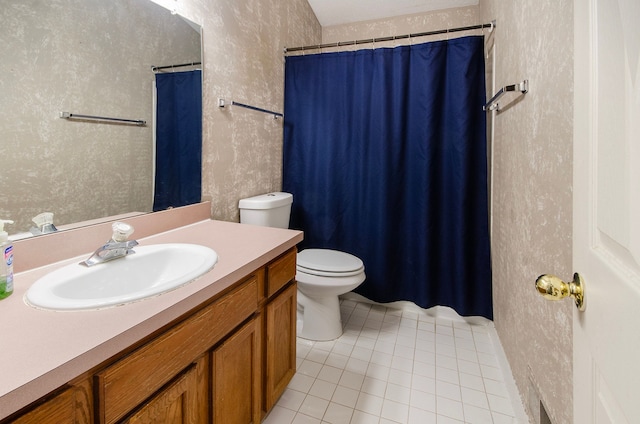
point(385, 154)
point(178, 178)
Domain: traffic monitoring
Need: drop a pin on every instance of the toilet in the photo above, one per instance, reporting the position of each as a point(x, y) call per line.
point(322, 274)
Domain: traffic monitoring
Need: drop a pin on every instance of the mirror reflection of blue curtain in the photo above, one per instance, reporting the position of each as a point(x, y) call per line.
point(385, 154)
point(178, 178)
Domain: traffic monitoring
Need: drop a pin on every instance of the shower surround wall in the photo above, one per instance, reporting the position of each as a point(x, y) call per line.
point(532, 206)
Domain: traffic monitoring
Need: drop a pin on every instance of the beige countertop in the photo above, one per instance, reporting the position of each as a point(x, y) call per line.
point(42, 350)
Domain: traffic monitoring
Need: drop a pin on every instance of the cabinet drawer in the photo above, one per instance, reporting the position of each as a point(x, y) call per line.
point(281, 271)
point(128, 382)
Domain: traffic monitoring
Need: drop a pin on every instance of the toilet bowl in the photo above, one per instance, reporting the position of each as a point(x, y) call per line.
point(322, 274)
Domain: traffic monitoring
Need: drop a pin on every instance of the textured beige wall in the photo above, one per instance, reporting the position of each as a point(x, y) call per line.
point(532, 207)
point(243, 61)
point(86, 57)
point(402, 25)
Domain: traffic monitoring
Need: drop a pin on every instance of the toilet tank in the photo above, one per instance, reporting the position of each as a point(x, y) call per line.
point(267, 210)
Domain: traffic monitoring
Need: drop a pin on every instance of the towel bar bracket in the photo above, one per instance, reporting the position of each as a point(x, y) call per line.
point(522, 87)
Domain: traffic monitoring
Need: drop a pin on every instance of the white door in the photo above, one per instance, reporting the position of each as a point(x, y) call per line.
point(606, 250)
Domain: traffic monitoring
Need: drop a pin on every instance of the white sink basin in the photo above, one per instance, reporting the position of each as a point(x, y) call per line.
point(152, 270)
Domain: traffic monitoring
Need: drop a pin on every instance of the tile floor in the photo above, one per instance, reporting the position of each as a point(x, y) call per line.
point(399, 366)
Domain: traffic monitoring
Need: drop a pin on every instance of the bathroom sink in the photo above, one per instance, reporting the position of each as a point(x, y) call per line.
point(152, 270)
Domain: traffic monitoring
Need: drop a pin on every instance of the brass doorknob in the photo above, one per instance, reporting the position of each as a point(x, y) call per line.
point(553, 288)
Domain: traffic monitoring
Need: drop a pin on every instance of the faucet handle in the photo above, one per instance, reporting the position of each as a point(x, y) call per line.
point(121, 231)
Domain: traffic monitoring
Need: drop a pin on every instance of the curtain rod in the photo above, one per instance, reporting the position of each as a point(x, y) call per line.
point(181, 65)
point(491, 25)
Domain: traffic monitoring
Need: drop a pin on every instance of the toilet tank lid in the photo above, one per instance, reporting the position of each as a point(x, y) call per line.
point(266, 201)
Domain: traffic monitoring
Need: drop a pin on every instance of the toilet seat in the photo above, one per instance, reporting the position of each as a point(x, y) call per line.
point(323, 275)
point(328, 263)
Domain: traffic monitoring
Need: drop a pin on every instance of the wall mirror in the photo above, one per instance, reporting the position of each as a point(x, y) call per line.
point(87, 57)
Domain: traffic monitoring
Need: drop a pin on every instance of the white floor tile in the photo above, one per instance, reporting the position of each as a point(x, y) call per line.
point(448, 390)
point(323, 389)
point(395, 411)
point(337, 360)
point(309, 368)
point(398, 394)
point(472, 382)
point(491, 373)
point(442, 419)
point(317, 355)
point(500, 405)
point(449, 408)
point(446, 361)
point(301, 383)
point(280, 415)
point(448, 375)
point(377, 371)
point(381, 358)
point(395, 366)
point(345, 396)
point(367, 342)
point(400, 378)
point(474, 397)
point(291, 399)
point(337, 414)
point(476, 415)
point(384, 347)
point(305, 419)
point(401, 363)
point(351, 380)
point(497, 388)
point(420, 416)
point(369, 403)
point(313, 406)
point(424, 384)
point(423, 400)
point(357, 366)
point(330, 374)
point(468, 367)
point(360, 417)
point(404, 352)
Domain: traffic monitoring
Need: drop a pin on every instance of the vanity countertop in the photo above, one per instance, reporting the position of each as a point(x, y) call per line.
point(42, 350)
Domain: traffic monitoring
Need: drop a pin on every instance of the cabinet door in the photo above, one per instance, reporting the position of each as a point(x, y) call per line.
point(236, 391)
point(180, 402)
point(72, 406)
point(280, 344)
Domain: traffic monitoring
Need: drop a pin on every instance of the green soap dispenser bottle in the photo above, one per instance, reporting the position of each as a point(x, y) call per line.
point(6, 261)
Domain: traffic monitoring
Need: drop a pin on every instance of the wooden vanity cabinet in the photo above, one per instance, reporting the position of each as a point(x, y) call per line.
point(228, 362)
point(279, 328)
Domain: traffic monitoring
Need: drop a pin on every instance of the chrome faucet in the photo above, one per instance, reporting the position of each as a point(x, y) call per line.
point(117, 247)
point(44, 224)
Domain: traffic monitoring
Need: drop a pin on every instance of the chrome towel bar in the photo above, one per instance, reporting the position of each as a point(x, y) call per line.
point(492, 104)
point(222, 104)
point(69, 115)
